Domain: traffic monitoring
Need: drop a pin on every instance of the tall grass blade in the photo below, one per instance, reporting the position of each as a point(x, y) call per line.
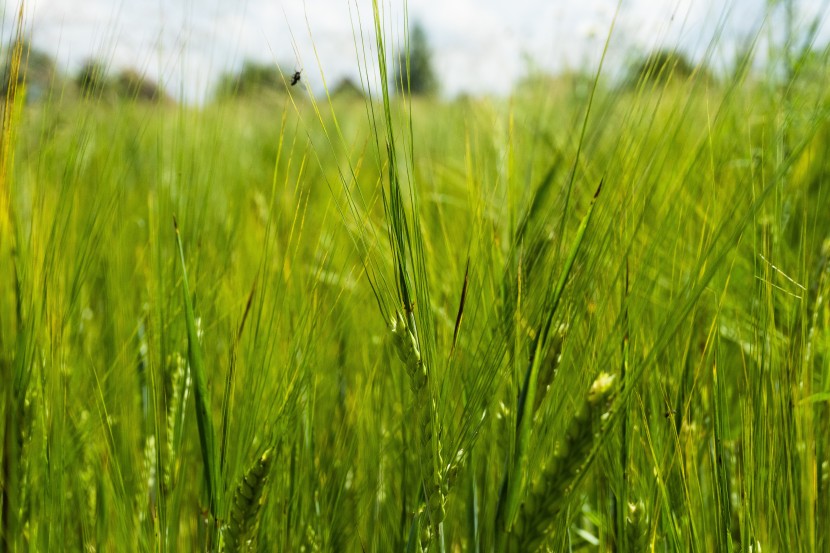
point(207, 437)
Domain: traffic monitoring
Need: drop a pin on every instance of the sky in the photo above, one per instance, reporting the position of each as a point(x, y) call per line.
point(478, 46)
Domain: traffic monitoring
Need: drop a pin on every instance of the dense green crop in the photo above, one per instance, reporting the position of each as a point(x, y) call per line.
point(420, 324)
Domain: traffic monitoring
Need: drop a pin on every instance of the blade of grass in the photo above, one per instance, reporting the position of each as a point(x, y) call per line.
point(207, 437)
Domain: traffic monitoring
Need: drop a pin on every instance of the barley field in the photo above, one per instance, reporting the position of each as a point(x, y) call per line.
point(592, 316)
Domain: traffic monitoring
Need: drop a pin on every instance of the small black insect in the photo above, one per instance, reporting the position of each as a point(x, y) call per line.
point(296, 78)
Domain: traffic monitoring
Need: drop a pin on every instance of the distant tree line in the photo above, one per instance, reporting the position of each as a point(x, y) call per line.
point(663, 66)
point(258, 80)
point(413, 74)
point(93, 80)
point(252, 79)
point(36, 68)
point(41, 75)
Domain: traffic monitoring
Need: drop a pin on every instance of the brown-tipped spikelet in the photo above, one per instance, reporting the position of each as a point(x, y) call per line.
point(246, 503)
point(547, 497)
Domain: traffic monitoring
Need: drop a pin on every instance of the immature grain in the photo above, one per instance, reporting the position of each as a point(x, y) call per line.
point(312, 541)
point(425, 532)
point(247, 500)
point(547, 497)
point(146, 494)
point(406, 346)
point(179, 390)
point(636, 526)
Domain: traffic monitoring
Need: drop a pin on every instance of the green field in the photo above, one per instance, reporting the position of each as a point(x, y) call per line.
point(594, 316)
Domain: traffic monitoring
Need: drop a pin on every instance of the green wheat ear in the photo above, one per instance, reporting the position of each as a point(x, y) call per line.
point(179, 389)
point(549, 495)
point(247, 500)
point(430, 456)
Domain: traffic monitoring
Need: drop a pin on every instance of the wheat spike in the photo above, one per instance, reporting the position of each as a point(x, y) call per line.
point(246, 504)
point(179, 390)
point(429, 453)
point(546, 499)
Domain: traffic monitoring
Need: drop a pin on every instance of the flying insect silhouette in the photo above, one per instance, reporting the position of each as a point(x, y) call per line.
point(296, 78)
